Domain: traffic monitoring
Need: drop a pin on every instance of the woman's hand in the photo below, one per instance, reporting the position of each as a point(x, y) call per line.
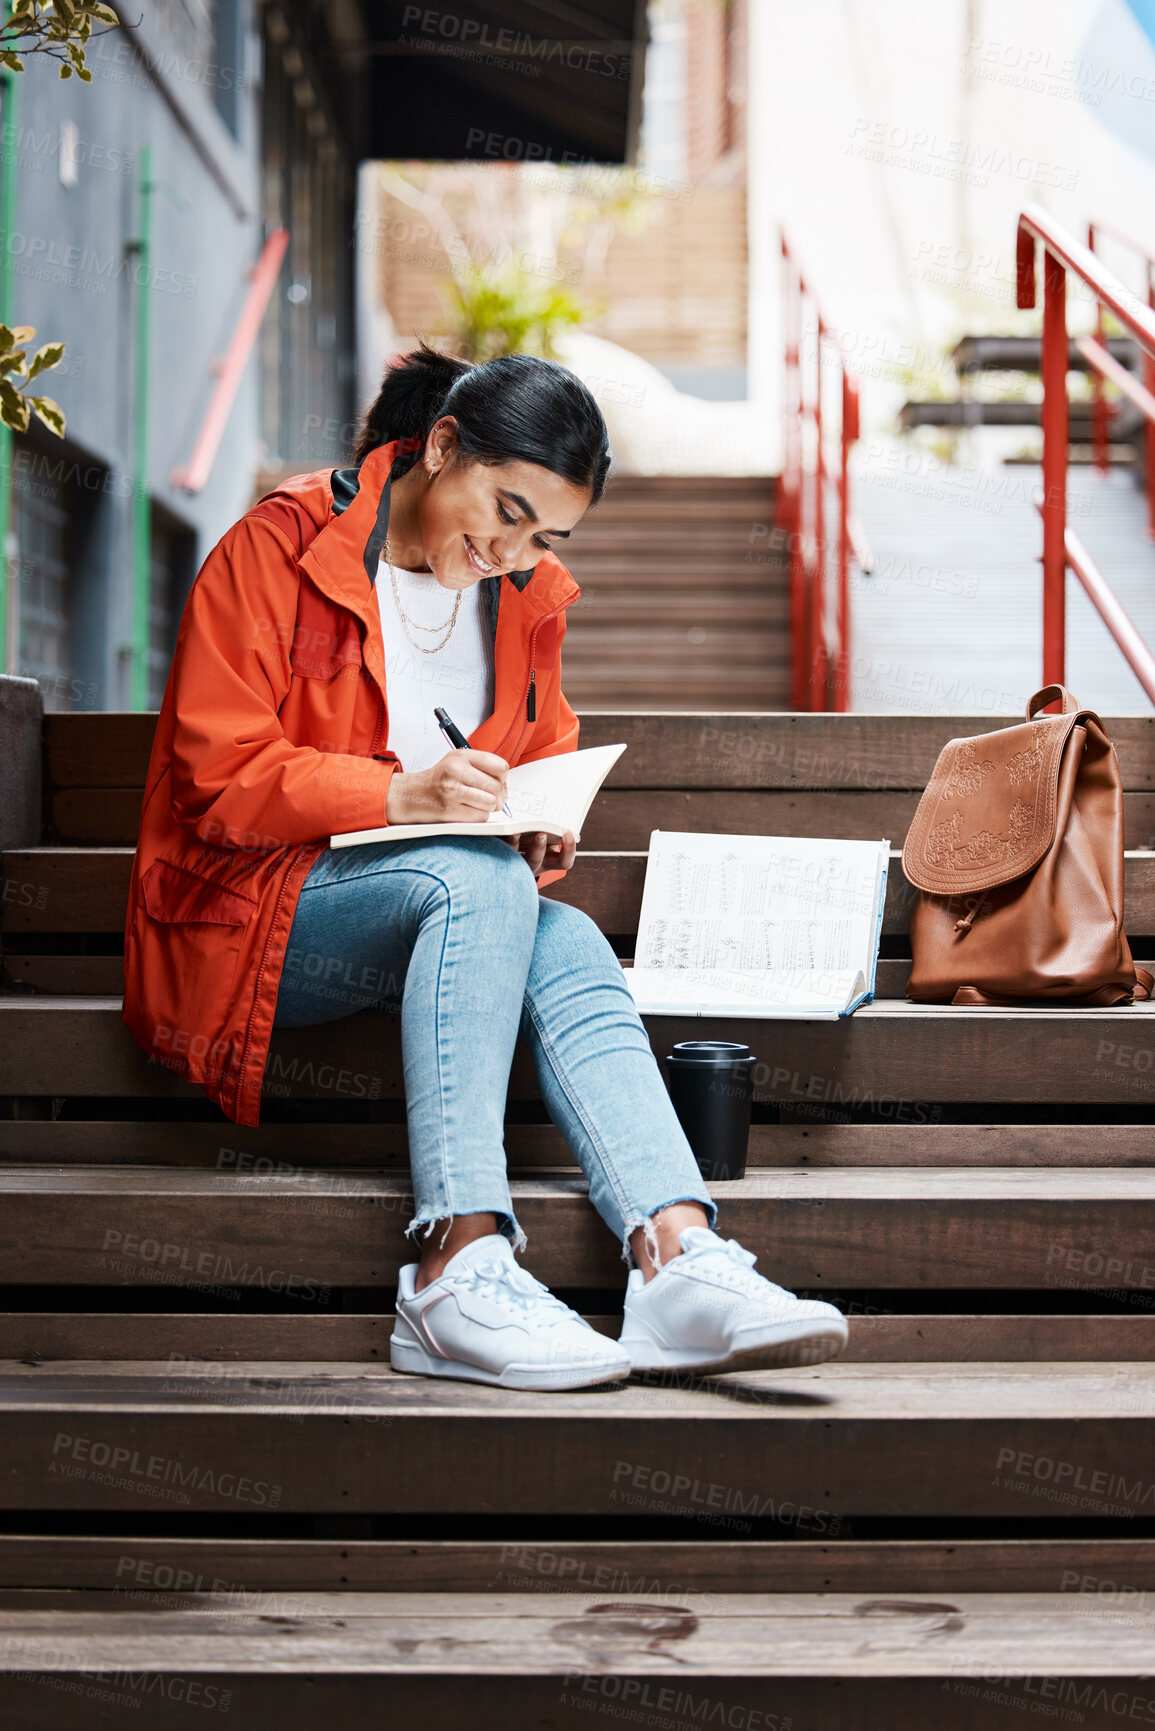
point(464, 787)
point(543, 855)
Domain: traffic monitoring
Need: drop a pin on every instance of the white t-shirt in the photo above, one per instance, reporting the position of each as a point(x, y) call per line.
point(458, 677)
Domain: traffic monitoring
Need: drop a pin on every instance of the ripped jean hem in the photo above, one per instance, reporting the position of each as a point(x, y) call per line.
point(646, 1222)
point(507, 1223)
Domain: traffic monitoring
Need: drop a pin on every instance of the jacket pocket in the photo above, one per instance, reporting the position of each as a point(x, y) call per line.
point(191, 934)
point(174, 895)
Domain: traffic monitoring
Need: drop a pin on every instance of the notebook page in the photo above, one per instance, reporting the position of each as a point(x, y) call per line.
point(561, 787)
point(756, 906)
point(795, 992)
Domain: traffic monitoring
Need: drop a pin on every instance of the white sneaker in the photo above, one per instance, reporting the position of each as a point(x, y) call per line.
point(707, 1310)
point(487, 1320)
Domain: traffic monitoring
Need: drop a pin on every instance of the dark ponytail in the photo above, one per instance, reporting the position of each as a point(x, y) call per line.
point(517, 408)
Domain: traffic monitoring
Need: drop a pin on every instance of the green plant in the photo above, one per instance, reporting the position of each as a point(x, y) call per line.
point(508, 313)
point(60, 30)
point(16, 407)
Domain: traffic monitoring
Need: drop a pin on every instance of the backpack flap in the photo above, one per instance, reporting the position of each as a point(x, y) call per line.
point(988, 813)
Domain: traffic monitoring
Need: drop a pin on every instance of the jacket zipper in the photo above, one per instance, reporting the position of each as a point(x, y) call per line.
point(261, 974)
point(382, 723)
point(530, 695)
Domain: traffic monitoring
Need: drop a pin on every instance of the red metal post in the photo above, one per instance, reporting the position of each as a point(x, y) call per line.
point(819, 678)
point(817, 657)
point(1055, 452)
point(1062, 252)
point(849, 435)
point(1100, 411)
point(793, 503)
point(1149, 436)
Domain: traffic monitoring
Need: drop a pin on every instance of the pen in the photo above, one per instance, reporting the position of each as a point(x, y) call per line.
point(456, 738)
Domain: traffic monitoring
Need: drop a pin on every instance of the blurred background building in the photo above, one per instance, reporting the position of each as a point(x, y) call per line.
point(611, 192)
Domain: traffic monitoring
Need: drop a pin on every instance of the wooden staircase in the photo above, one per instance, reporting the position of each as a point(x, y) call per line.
point(684, 597)
point(215, 1495)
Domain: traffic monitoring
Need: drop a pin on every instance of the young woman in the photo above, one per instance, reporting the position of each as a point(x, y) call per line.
point(320, 634)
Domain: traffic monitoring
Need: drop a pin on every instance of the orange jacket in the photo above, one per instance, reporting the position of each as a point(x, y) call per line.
point(273, 735)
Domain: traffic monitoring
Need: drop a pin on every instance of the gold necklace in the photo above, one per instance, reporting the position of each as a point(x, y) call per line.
point(406, 622)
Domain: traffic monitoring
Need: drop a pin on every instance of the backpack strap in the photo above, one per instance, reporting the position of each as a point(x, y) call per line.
point(1052, 694)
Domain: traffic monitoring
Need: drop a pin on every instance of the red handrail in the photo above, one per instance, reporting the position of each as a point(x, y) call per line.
point(1101, 413)
point(262, 277)
point(1061, 253)
point(819, 677)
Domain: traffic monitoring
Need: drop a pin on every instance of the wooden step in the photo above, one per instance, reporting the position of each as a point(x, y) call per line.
point(746, 575)
point(1027, 1442)
point(761, 686)
point(890, 1056)
point(274, 1147)
point(1112, 1574)
point(736, 529)
point(301, 1234)
point(621, 818)
point(86, 890)
point(490, 1661)
point(876, 1337)
point(638, 648)
point(746, 773)
point(99, 976)
point(610, 612)
point(672, 750)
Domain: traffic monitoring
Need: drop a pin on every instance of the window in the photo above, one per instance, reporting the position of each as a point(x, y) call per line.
point(227, 58)
point(43, 494)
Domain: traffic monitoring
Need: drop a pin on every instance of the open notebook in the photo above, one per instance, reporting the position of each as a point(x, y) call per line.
point(749, 925)
point(548, 797)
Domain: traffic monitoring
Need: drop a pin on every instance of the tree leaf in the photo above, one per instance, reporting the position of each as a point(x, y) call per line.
point(50, 413)
point(12, 361)
point(18, 334)
point(48, 356)
point(14, 410)
point(12, 60)
point(65, 71)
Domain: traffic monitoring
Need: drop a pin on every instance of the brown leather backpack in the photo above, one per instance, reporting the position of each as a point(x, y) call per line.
point(1017, 848)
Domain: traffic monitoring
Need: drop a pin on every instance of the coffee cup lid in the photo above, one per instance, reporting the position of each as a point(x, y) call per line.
point(710, 1052)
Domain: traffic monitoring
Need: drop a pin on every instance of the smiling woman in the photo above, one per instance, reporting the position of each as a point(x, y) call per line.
point(519, 450)
point(513, 454)
point(313, 650)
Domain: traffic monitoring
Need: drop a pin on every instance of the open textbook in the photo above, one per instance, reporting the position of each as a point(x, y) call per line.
point(548, 797)
point(755, 925)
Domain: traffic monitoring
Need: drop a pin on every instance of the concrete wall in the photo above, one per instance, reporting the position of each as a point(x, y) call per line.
point(74, 279)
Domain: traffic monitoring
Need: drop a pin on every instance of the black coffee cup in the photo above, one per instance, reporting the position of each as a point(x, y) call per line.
point(711, 1083)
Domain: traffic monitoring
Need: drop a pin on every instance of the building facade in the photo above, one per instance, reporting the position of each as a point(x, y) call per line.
point(141, 202)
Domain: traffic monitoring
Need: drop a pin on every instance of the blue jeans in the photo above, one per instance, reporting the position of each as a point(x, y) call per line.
point(456, 932)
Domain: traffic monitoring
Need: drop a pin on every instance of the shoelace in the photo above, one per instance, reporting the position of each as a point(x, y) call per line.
point(731, 1265)
point(514, 1288)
